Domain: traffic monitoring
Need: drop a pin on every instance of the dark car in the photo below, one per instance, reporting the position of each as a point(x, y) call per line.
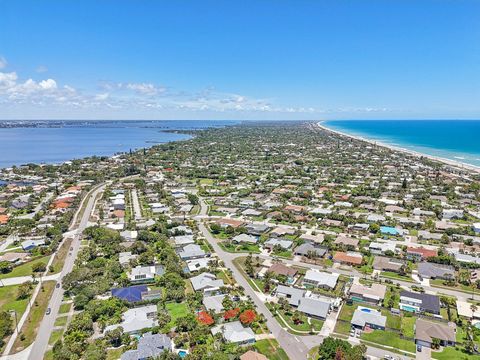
point(48, 311)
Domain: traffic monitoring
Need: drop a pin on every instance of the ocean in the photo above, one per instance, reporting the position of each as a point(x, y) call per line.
point(75, 140)
point(457, 140)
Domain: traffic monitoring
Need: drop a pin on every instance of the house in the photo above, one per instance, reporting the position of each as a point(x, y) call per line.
point(284, 244)
point(419, 253)
point(308, 249)
point(31, 244)
point(191, 251)
point(348, 258)
point(129, 235)
point(373, 294)
point(380, 248)
point(320, 279)
point(257, 229)
point(225, 222)
point(206, 282)
point(452, 214)
point(314, 307)
point(282, 231)
point(375, 218)
point(145, 273)
point(316, 239)
point(197, 264)
point(476, 227)
point(136, 319)
point(136, 293)
point(283, 270)
point(183, 240)
point(251, 212)
point(245, 238)
point(465, 309)
point(365, 317)
point(125, 257)
point(14, 257)
point(383, 263)
point(253, 355)
point(234, 332)
point(416, 302)
point(427, 270)
point(427, 331)
point(292, 294)
point(149, 346)
point(214, 303)
point(346, 241)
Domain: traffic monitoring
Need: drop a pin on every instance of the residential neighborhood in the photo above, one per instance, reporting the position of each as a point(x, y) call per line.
point(259, 241)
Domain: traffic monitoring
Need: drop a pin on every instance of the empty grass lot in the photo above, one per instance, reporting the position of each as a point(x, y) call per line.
point(271, 349)
point(176, 310)
point(24, 269)
point(30, 328)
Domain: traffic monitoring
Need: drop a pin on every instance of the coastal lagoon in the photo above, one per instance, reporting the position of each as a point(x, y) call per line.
point(457, 140)
point(74, 140)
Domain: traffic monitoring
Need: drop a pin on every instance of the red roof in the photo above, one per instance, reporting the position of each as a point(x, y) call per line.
point(425, 253)
point(345, 258)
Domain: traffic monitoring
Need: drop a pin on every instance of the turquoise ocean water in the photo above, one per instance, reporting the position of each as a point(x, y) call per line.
point(457, 140)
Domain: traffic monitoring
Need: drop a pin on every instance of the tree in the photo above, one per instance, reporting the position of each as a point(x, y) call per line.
point(39, 267)
point(24, 290)
point(163, 318)
point(435, 343)
point(332, 349)
point(247, 317)
point(249, 265)
point(114, 336)
point(6, 326)
point(5, 267)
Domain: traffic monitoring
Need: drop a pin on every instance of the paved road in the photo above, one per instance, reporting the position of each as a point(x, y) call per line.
point(41, 343)
point(136, 205)
point(296, 347)
point(37, 208)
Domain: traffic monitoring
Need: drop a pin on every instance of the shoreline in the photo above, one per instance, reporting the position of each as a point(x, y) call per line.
point(456, 164)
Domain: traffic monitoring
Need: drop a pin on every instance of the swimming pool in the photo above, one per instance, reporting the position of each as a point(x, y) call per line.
point(365, 310)
point(182, 353)
point(409, 308)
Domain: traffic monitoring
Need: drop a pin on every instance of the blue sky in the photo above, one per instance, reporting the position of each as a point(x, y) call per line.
point(136, 59)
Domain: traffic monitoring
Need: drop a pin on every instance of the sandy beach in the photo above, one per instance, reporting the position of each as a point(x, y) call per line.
point(457, 164)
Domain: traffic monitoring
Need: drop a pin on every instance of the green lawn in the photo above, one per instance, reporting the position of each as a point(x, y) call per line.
point(347, 312)
point(8, 300)
point(30, 327)
point(61, 321)
point(451, 353)
point(176, 310)
point(55, 336)
point(24, 269)
point(303, 326)
point(64, 308)
point(114, 354)
point(60, 256)
point(387, 338)
point(395, 276)
point(239, 248)
point(271, 349)
point(408, 326)
point(342, 327)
